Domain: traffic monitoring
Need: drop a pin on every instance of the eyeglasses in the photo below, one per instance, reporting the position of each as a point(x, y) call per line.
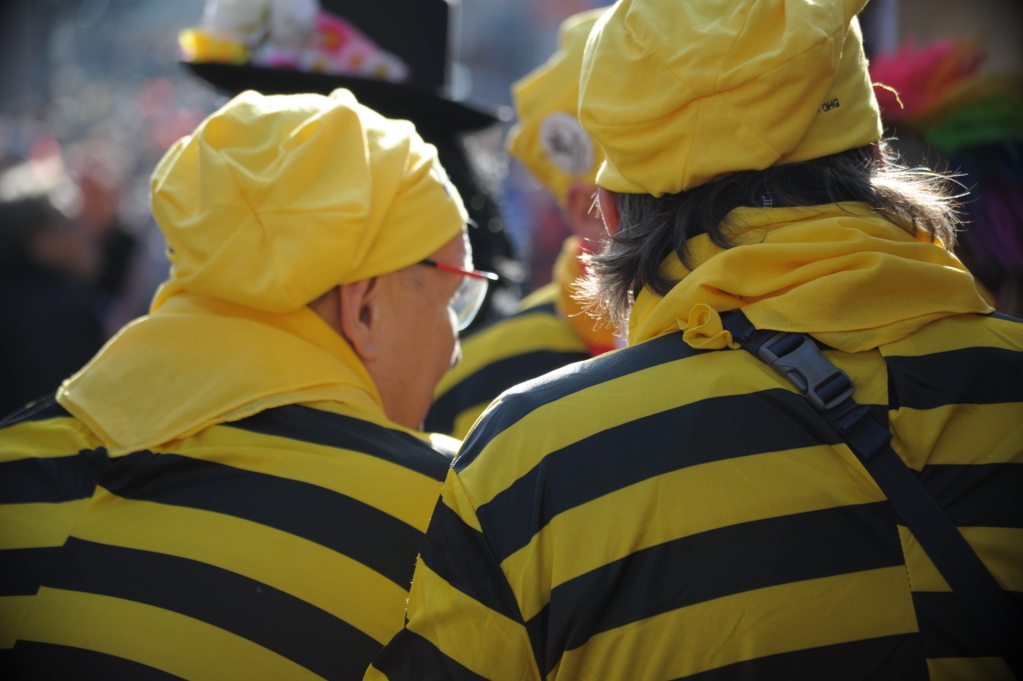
point(469, 296)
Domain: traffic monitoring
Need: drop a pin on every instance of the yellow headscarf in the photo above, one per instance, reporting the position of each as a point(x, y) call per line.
point(269, 204)
point(841, 273)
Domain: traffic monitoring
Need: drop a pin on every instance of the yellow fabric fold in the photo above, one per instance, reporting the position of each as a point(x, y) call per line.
point(842, 273)
point(196, 361)
point(568, 270)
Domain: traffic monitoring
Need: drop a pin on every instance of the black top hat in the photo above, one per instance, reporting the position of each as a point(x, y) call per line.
point(417, 31)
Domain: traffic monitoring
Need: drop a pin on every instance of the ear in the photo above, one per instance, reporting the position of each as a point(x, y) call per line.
point(878, 154)
point(609, 209)
point(586, 223)
point(360, 316)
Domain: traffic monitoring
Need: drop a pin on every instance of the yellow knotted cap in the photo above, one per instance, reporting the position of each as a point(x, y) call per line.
point(679, 94)
point(273, 201)
point(548, 138)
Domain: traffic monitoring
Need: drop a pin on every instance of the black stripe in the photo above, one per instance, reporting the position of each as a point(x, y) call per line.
point(702, 432)
point(1003, 317)
point(348, 526)
point(485, 385)
point(526, 397)
point(538, 630)
point(977, 495)
point(52, 480)
point(23, 570)
point(42, 409)
point(459, 554)
point(32, 660)
point(718, 563)
point(410, 656)
point(273, 619)
point(967, 376)
point(948, 630)
point(886, 658)
point(305, 424)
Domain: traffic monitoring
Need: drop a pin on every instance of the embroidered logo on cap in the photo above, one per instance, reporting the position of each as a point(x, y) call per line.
point(565, 144)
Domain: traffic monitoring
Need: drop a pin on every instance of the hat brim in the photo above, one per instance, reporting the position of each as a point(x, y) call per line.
point(392, 100)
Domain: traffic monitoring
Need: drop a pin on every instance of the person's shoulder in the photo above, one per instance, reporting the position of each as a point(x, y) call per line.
point(532, 329)
point(577, 397)
point(538, 308)
point(545, 295)
point(957, 360)
point(963, 332)
point(47, 456)
point(44, 429)
point(535, 312)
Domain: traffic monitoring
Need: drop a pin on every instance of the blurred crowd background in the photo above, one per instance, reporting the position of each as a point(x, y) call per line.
point(92, 94)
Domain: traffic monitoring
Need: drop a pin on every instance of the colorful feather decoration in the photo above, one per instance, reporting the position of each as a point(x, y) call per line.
point(976, 121)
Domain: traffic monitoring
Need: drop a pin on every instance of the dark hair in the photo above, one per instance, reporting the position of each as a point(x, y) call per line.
point(917, 199)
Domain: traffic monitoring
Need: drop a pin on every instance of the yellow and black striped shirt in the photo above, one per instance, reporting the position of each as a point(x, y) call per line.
point(280, 546)
point(665, 513)
point(528, 344)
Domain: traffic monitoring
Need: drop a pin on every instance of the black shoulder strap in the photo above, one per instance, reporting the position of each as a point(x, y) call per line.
point(829, 390)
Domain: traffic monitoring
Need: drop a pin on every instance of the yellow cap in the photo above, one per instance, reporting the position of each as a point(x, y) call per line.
point(679, 94)
point(548, 138)
point(273, 201)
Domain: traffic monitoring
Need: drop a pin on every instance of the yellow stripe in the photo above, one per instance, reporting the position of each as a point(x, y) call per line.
point(653, 512)
point(454, 496)
point(29, 526)
point(13, 611)
point(372, 674)
point(452, 620)
point(45, 439)
point(508, 338)
point(570, 419)
point(750, 625)
point(369, 479)
point(152, 636)
point(958, 333)
point(866, 370)
point(958, 434)
point(341, 586)
point(969, 669)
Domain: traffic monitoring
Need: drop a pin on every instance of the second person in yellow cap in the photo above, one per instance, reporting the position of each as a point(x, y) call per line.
point(551, 328)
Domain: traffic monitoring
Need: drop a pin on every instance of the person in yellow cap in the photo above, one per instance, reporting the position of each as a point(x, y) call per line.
point(806, 464)
point(236, 485)
point(551, 328)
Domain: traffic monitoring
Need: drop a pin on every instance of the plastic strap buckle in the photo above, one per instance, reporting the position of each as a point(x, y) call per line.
point(796, 357)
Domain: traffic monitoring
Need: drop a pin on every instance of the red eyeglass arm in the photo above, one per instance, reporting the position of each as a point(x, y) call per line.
point(478, 274)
